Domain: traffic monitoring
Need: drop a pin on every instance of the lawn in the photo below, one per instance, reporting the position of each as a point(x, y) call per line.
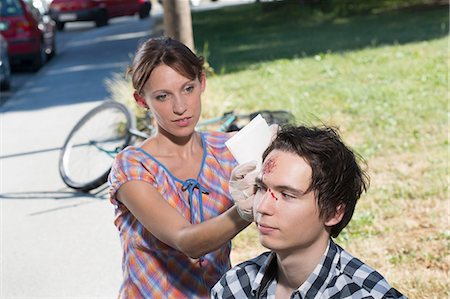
point(379, 74)
point(382, 79)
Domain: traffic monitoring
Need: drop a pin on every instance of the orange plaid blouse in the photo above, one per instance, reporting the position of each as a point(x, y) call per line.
point(152, 269)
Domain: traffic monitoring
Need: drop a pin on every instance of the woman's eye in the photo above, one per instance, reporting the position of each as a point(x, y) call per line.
point(189, 89)
point(161, 97)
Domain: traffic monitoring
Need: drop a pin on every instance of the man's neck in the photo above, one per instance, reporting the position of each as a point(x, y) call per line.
point(295, 267)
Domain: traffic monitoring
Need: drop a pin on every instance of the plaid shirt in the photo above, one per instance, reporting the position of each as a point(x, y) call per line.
point(151, 268)
point(339, 275)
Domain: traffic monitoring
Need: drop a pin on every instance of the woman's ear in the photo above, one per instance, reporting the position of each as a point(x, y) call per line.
point(140, 100)
point(203, 81)
point(337, 217)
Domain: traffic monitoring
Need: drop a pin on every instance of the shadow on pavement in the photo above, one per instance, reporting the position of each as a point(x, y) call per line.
point(100, 194)
point(77, 74)
point(40, 151)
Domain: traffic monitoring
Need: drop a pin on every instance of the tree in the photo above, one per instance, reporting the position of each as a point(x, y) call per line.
point(178, 21)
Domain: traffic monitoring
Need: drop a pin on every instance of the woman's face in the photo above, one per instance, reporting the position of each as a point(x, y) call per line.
point(174, 100)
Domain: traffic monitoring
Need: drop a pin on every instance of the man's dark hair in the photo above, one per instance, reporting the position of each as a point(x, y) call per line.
point(337, 178)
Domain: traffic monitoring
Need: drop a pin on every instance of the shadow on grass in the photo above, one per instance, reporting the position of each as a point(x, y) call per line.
point(234, 37)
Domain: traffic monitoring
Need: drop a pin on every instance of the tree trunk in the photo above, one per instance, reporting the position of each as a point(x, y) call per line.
point(178, 22)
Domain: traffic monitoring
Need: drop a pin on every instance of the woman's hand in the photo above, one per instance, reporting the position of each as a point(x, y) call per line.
point(242, 184)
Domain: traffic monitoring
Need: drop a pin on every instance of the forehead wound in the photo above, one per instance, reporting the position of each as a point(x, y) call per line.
point(269, 165)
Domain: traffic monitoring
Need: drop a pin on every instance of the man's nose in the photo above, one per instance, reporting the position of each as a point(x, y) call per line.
point(266, 202)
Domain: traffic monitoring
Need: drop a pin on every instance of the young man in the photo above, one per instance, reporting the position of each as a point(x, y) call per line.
point(305, 194)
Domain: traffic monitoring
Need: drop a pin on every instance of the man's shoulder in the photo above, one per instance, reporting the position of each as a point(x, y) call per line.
point(249, 267)
point(237, 281)
point(356, 275)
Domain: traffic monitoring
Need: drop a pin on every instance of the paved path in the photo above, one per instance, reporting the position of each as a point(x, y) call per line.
point(54, 242)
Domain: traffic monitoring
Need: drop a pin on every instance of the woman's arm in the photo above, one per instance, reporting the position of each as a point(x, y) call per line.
point(170, 227)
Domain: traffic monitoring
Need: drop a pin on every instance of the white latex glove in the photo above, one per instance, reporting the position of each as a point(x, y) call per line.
point(241, 185)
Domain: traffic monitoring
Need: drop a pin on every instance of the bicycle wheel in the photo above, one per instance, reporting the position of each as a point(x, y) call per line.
point(87, 154)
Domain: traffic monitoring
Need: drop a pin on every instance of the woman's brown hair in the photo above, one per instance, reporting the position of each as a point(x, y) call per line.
point(163, 50)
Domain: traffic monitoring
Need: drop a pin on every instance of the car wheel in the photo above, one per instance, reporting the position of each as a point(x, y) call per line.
point(5, 84)
point(144, 11)
point(60, 26)
point(102, 19)
point(39, 58)
point(52, 50)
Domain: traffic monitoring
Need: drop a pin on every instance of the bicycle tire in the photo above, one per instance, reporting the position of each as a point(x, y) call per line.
point(86, 157)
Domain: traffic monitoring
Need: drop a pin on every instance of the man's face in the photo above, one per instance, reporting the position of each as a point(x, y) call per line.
point(286, 216)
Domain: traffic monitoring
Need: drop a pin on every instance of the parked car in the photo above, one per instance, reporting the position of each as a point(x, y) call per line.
point(29, 33)
point(192, 2)
point(99, 11)
point(5, 69)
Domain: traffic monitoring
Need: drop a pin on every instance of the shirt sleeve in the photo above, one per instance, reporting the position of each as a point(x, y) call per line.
point(128, 166)
point(217, 290)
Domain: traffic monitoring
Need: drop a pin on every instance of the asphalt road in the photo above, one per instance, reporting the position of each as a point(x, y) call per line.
point(54, 242)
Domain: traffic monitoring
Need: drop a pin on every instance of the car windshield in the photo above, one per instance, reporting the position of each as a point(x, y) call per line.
point(10, 8)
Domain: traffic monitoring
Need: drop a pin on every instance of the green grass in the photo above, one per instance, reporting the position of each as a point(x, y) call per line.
point(382, 78)
point(234, 38)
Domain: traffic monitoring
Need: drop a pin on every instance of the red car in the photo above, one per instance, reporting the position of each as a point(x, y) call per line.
point(99, 11)
point(30, 34)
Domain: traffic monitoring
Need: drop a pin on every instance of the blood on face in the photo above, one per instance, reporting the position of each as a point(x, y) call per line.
point(269, 166)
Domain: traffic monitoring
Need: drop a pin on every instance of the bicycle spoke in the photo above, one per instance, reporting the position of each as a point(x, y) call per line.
point(89, 150)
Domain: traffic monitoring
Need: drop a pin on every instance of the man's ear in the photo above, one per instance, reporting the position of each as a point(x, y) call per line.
point(337, 217)
point(140, 100)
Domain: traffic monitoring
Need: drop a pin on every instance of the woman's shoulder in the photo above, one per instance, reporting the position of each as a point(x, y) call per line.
point(132, 157)
point(128, 154)
point(216, 139)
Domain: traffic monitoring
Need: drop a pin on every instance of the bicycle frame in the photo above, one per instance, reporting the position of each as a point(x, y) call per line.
point(88, 145)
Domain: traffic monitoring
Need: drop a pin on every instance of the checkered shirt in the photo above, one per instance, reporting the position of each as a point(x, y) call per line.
point(338, 275)
point(151, 268)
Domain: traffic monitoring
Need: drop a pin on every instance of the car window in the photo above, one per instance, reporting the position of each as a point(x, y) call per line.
point(10, 8)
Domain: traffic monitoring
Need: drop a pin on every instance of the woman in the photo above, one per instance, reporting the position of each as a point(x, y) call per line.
point(173, 209)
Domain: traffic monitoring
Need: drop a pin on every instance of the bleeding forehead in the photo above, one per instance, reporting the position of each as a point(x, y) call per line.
point(269, 164)
point(280, 164)
point(272, 163)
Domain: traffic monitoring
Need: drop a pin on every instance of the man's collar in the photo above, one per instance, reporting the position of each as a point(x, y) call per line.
point(322, 274)
point(265, 275)
point(316, 282)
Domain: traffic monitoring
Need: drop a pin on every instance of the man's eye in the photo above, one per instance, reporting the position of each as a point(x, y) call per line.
point(287, 195)
point(259, 188)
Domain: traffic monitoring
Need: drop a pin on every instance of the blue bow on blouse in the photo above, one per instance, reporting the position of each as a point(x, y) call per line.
point(190, 185)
